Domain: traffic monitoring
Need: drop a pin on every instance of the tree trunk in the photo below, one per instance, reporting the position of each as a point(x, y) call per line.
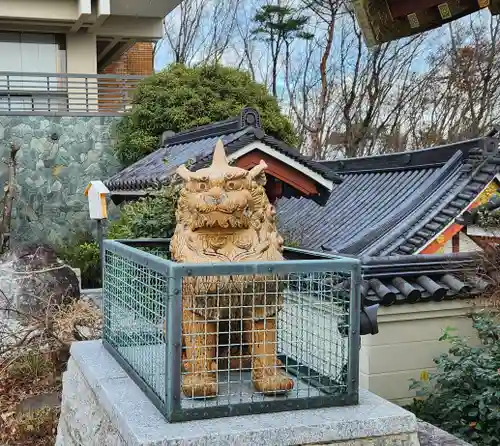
point(8, 201)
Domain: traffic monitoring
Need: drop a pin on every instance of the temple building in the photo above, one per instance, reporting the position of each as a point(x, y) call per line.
point(411, 218)
point(401, 203)
point(288, 173)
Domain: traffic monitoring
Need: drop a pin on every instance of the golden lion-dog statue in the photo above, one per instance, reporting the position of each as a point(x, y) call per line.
point(224, 215)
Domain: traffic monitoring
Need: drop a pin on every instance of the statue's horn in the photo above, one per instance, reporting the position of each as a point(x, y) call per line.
point(219, 158)
point(258, 169)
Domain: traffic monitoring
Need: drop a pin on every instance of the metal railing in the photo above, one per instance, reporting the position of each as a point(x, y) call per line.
point(311, 334)
point(63, 94)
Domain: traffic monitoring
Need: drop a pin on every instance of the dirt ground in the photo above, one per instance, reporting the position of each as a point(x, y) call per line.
point(30, 391)
point(31, 375)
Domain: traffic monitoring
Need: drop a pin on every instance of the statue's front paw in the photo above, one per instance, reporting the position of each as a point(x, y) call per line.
point(200, 385)
point(272, 381)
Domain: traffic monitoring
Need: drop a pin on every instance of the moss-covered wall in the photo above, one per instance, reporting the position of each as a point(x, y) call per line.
point(58, 157)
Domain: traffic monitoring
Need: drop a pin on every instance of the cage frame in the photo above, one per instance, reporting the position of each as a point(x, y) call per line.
point(171, 409)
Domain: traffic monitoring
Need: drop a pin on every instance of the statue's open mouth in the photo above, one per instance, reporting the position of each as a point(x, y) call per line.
point(222, 219)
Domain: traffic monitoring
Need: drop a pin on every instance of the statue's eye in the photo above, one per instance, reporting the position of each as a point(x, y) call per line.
point(202, 186)
point(230, 185)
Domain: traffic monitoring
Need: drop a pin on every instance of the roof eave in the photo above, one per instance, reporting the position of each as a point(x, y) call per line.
point(328, 184)
point(417, 159)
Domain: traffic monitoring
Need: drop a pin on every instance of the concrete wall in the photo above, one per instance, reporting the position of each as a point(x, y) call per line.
point(81, 53)
point(81, 57)
point(152, 8)
point(58, 157)
point(406, 345)
point(465, 245)
point(129, 19)
point(55, 10)
point(71, 10)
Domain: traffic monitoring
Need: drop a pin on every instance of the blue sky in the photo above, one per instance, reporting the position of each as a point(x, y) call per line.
point(433, 39)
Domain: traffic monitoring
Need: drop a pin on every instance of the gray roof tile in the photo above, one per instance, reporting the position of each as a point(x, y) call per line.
point(411, 279)
point(156, 168)
point(392, 204)
point(197, 145)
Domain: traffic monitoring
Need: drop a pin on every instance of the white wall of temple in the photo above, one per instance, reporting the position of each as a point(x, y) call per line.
point(465, 245)
point(407, 343)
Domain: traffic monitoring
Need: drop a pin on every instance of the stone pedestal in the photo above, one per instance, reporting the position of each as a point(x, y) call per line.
point(102, 406)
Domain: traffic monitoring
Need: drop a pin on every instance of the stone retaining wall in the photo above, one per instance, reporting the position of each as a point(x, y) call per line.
point(58, 157)
point(83, 421)
point(102, 406)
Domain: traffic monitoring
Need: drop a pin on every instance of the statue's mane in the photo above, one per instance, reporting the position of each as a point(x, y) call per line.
point(265, 242)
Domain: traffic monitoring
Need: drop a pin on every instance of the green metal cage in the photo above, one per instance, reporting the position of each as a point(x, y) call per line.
point(317, 327)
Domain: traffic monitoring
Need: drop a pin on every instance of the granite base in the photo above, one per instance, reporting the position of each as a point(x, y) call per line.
point(101, 405)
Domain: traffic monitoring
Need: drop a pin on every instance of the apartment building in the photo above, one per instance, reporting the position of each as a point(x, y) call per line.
point(65, 45)
point(75, 36)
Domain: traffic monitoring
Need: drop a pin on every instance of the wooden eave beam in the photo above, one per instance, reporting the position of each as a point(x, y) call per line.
point(302, 183)
point(401, 8)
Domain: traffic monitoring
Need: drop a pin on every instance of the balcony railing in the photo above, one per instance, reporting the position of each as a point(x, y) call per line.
point(61, 94)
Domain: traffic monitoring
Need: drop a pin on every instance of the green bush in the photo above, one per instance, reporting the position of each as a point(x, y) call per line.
point(463, 395)
point(179, 98)
point(148, 217)
point(84, 254)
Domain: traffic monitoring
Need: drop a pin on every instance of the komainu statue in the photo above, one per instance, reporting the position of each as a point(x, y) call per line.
point(224, 215)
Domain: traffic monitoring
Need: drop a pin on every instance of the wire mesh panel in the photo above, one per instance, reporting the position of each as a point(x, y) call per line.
point(134, 309)
point(211, 340)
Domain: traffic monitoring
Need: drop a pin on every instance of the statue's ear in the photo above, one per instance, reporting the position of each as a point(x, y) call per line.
point(184, 173)
point(257, 173)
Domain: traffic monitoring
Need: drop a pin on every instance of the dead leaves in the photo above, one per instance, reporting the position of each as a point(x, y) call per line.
point(25, 378)
point(34, 368)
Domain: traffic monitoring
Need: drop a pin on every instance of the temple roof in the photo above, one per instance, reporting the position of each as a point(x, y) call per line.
point(195, 147)
point(411, 279)
point(393, 204)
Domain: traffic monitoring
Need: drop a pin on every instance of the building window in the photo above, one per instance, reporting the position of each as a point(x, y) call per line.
point(32, 53)
point(25, 53)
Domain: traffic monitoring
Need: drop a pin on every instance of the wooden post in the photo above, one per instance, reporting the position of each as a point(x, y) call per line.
point(100, 239)
point(455, 243)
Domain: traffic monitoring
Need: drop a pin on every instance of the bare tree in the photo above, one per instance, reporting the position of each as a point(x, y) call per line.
point(348, 100)
point(8, 201)
point(220, 33)
point(199, 31)
point(312, 115)
point(182, 28)
point(461, 98)
point(343, 98)
point(376, 87)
